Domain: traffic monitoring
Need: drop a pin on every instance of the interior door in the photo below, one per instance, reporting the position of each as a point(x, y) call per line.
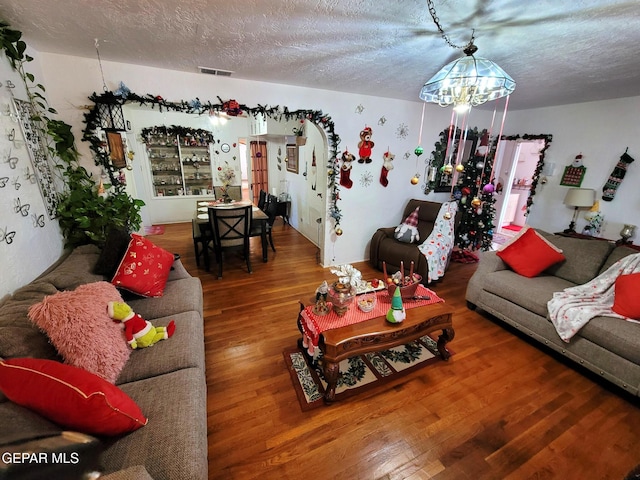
point(259, 169)
point(517, 162)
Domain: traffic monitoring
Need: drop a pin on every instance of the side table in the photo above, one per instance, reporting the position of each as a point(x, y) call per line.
point(283, 209)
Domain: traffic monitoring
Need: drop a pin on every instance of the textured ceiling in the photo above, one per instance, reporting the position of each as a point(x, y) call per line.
point(558, 51)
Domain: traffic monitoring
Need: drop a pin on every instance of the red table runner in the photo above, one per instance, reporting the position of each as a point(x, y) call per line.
point(313, 325)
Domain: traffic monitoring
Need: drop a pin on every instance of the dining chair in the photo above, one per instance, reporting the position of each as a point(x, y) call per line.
point(230, 228)
point(234, 191)
point(271, 210)
point(202, 241)
point(262, 199)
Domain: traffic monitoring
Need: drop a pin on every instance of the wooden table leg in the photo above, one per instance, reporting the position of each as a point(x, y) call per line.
point(263, 239)
point(331, 371)
point(446, 337)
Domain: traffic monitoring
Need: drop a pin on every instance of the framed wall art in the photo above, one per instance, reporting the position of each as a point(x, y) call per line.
point(292, 158)
point(573, 176)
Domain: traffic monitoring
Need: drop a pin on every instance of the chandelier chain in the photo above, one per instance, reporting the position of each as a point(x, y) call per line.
point(104, 84)
point(436, 20)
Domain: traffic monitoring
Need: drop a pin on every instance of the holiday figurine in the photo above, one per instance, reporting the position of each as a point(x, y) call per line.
point(407, 231)
point(615, 179)
point(396, 313)
point(139, 332)
point(314, 169)
point(345, 169)
point(321, 307)
point(483, 148)
point(365, 145)
point(387, 166)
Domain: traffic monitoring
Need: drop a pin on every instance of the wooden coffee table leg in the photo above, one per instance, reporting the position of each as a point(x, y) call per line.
point(331, 371)
point(447, 336)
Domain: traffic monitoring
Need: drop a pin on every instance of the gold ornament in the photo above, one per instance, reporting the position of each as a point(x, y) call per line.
point(338, 231)
point(476, 202)
point(447, 215)
point(448, 169)
point(414, 180)
point(460, 168)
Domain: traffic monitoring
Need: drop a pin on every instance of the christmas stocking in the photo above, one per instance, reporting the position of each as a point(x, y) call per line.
point(387, 166)
point(345, 177)
point(619, 171)
point(384, 173)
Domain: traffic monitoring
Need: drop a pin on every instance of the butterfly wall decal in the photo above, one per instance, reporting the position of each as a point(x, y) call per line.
point(16, 183)
point(22, 209)
point(30, 176)
point(38, 220)
point(12, 161)
point(3, 181)
point(6, 237)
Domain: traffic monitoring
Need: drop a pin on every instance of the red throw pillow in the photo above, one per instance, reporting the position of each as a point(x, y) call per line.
point(530, 254)
point(626, 301)
point(69, 396)
point(144, 269)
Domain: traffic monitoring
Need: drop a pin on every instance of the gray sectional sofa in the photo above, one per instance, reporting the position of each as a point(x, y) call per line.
point(167, 381)
point(608, 346)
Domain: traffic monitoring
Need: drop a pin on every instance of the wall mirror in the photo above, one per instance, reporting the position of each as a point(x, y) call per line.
point(437, 179)
point(510, 147)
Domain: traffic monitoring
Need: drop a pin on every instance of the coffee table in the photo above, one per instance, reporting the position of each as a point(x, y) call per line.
point(377, 334)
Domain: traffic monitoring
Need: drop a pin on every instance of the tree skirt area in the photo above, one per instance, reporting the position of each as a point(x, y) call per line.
point(357, 373)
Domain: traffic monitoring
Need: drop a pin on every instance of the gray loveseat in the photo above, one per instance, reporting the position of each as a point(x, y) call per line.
point(608, 346)
point(167, 381)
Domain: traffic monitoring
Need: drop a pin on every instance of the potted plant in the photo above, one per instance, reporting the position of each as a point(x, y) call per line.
point(299, 133)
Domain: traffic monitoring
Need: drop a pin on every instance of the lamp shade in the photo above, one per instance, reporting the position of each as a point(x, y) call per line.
point(580, 197)
point(467, 81)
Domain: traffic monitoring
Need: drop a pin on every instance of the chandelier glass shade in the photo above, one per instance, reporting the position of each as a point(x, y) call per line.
point(467, 82)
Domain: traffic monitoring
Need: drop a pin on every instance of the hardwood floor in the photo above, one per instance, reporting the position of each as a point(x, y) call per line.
point(501, 408)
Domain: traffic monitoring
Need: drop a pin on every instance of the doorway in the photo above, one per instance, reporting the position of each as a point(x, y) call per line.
point(516, 166)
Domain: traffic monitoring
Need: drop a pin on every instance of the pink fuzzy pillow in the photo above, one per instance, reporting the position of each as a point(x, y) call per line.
point(78, 326)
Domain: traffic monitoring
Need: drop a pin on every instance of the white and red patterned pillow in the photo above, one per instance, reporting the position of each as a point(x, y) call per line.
point(144, 269)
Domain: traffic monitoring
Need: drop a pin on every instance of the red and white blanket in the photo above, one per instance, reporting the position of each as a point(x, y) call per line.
point(437, 247)
point(571, 309)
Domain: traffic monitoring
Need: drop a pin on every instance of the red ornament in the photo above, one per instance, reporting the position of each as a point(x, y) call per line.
point(465, 190)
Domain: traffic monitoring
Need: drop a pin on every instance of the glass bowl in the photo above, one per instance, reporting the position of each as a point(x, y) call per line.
point(366, 302)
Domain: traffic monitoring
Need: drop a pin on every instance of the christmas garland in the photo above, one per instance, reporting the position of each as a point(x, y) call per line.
point(123, 96)
point(177, 130)
point(538, 171)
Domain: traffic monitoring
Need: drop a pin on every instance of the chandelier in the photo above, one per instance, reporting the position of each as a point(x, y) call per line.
point(468, 81)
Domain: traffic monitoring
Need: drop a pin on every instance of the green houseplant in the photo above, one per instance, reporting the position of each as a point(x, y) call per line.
point(84, 215)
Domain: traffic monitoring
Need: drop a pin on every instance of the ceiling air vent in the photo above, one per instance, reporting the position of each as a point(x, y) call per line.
point(215, 71)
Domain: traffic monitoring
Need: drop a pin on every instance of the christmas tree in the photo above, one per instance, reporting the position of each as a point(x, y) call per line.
point(474, 193)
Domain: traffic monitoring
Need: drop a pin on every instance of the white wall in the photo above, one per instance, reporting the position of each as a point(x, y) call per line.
point(33, 248)
point(364, 208)
point(601, 131)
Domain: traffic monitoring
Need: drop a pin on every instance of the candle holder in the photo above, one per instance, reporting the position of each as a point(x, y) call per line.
point(627, 232)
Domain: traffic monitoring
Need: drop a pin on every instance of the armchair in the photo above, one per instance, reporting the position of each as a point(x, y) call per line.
point(385, 248)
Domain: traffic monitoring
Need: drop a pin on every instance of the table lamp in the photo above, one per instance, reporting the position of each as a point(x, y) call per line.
point(578, 198)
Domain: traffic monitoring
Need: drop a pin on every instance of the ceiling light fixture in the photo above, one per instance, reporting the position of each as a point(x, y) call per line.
point(110, 113)
point(468, 81)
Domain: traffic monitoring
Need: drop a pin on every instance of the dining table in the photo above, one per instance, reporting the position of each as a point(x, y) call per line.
point(257, 217)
